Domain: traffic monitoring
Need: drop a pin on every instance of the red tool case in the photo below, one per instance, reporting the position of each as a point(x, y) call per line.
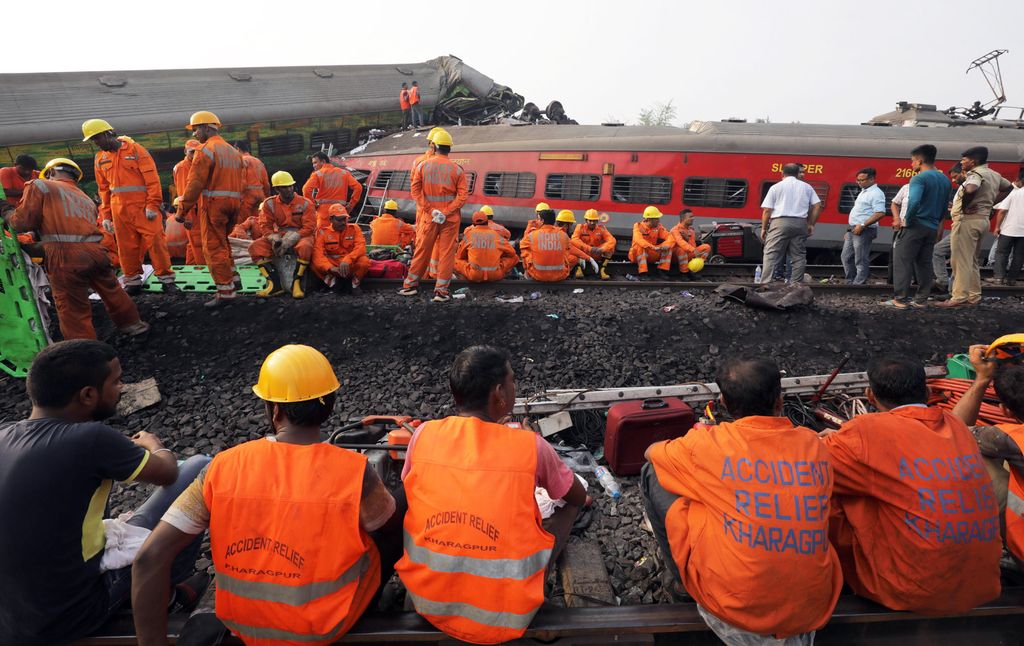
point(634, 426)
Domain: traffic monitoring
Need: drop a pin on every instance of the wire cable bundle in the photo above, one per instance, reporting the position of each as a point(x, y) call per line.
point(946, 393)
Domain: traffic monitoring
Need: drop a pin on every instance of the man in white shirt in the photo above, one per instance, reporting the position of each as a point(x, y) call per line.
point(867, 210)
point(791, 208)
point(1010, 229)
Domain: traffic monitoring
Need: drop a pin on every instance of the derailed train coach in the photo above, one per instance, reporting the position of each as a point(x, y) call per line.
point(720, 170)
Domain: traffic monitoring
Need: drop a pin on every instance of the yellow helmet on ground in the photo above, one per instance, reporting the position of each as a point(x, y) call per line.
point(391, 205)
point(295, 373)
point(61, 161)
point(442, 138)
point(1007, 348)
point(93, 127)
point(592, 215)
point(282, 178)
point(487, 210)
point(201, 118)
point(695, 264)
point(542, 206)
point(652, 212)
point(565, 215)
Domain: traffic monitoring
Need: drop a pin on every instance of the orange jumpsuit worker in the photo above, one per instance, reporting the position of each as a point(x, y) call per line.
point(66, 221)
point(415, 111)
point(215, 183)
point(13, 178)
point(548, 253)
point(340, 251)
point(286, 221)
point(484, 256)
point(494, 226)
point(194, 252)
point(130, 198)
point(330, 185)
point(440, 189)
point(651, 243)
point(566, 221)
point(255, 183)
point(903, 477)
point(246, 230)
point(387, 229)
point(420, 214)
point(597, 237)
point(684, 243)
point(403, 103)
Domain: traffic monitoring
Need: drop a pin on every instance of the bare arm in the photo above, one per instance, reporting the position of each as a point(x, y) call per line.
point(969, 405)
point(766, 215)
point(162, 467)
point(151, 582)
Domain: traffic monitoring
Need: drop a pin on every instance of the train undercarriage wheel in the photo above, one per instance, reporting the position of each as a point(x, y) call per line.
point(716, 260)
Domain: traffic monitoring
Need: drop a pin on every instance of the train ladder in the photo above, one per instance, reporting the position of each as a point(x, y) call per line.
point(373, 205)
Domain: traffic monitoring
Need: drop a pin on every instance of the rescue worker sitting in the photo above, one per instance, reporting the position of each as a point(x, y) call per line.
point(340, 251)
point(286, 221)
point(600, 242)
point(389, 229)
point(302, 532)
point(651, 244)
point(533, 224)
point(484, 255)
point(566, 220)
point(474, 564)
point(548, 253)
point(247, 229)
point(500, 228)
point(684, 243)
point(740, 511)
point(908, 481)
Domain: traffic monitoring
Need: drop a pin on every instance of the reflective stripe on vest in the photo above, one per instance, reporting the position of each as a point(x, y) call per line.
point(209, 153)
point(333, 202)
point(128, 189)
point(260, 632)
point(549, 267)
point(68, 237)
point(477, 267)
point(517, 569)
point(234, 194)
point(253, 187)
point(511, 620)
point(439, 198)
point(292, 595)
point(1015, 503)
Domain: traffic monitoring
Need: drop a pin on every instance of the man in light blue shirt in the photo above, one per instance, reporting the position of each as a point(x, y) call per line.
point(867, 210)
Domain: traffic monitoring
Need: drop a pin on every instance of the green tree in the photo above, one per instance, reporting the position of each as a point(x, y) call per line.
point(660, 114)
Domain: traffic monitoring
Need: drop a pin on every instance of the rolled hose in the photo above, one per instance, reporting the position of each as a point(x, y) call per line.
point(946, 393)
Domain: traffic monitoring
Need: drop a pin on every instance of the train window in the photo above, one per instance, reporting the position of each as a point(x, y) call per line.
point(572, 187)
point(521, 185)
point(849, 192)
point(642, 189)
point(393, 180)
point(470, 180)
point(715, 191)
point(821, 188)
point(280, 145)
point(340, 138)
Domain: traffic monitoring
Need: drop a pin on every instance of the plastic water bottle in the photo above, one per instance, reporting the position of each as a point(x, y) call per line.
point(607, 480)
point(757, 274)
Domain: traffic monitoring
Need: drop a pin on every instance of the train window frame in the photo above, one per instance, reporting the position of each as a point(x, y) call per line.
point(289, 143)
point(711, 202)
point(405, 184)
point(822, 194)
point(470, 181)
point(642, 194)
point(320, 137)
point(846, 203)
point(519, 182)
point(580, 179)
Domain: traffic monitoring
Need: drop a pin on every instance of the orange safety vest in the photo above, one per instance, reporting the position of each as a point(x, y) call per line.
point(485, 248)
point(652, 236)
point(749, 531)
point(403, 99)
point(254, 177)
point(276, 215)
point(547, 253)
point(599, 237)
point(414, 95)
point(1015, 497)
point(217, 168)
point(473, 568)
point(293, 563)
point(386, 229)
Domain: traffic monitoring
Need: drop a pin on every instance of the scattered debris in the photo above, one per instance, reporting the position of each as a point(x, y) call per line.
point(551, 316)
point(578, 290)
point(135, 397)
point(509, 299)
point(669, 308)
point(584, 578)
point(771, 296)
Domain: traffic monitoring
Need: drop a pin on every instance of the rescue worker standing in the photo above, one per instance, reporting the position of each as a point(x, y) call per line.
point(889, 515)
point(278, 580)
point(286, 221)
point(651, 243)
point(329, 185)
point(130, 198)
point(484, 255)
point(416, 112)
point(740, 511)
point(66, 220)
point(389, 230)
point(684, 244)
point(600, 241)
point(440, 189)
point(474, 565)
point(215, 183)
point(548, 253)
point(255, 183)
point(403, 103)
point(194, 251)
point(340, 251)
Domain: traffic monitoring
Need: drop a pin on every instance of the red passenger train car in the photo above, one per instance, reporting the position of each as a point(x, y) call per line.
point(720, 170)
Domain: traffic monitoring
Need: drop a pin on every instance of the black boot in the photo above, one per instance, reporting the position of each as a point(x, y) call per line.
point(274, 287)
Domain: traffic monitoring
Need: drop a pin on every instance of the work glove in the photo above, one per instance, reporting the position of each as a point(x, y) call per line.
point(108, 226)
point(593, 265)
point(438, 217)
point(289, 240)
point(275, 241)
point(151, 214)
point(343, 269)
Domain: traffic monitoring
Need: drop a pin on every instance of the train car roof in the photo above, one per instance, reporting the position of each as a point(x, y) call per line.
point(1005, 145)
point(37, 108)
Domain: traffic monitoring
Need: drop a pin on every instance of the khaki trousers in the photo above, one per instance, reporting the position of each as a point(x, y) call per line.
point(964, 244)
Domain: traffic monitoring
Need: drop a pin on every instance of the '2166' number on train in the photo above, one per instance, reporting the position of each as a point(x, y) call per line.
point(905, 172)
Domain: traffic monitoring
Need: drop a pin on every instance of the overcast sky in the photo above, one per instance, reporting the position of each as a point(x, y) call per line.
point(828, 62)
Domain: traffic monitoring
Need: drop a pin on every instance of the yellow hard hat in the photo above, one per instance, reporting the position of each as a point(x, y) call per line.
point(433, 132)
point(695, 264)
point(487, 210)
point(60, 161)
point(591, 214)
point(93, 127)
point(565, 215)
point(442, 138)
point(391, 205)
point(543, 206)
point(1007, 348)
point(203, 117)
point(652, 212)
point(295, 373)
point(282, 178)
